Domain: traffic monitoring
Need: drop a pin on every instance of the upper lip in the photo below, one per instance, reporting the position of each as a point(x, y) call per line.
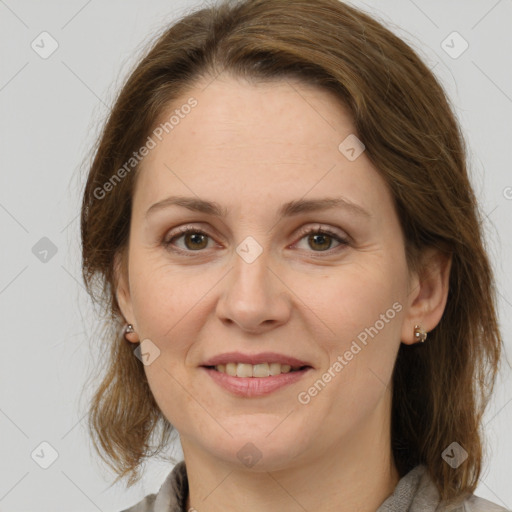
point(263, 357)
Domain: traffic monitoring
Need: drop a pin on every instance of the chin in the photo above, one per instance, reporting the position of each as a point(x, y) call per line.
point(257, 445)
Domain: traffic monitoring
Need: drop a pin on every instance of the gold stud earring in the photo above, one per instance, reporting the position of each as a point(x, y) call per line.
point(419, 334)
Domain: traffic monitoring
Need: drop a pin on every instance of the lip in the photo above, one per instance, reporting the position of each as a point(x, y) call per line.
point(249, 387)
point(262, 357)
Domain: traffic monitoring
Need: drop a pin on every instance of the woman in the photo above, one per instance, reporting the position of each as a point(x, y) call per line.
point(280, 222)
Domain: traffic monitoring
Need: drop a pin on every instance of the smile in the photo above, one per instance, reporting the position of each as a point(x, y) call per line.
point(241, 385)
point(255, 370)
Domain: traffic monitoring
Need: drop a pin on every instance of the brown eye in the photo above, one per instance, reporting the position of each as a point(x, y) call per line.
point(193, 240)
point(322, 241)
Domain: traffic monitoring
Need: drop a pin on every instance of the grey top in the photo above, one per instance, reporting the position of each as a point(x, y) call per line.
point(415, 492)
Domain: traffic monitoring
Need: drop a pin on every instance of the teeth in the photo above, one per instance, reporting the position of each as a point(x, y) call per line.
point(275, 368)
point(260, 370)
point(243, 370)
point(256, 370)
point(230, 369)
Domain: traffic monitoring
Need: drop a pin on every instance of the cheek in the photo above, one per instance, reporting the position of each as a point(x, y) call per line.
point(171, 305)
point(156, 305)
point(161, 294)
point(361, 305)
point(353, 299)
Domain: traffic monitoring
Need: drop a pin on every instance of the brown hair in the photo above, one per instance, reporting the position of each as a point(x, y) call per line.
point(402, 115)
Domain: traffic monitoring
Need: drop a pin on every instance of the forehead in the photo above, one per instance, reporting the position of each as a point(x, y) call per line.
point(253, 143)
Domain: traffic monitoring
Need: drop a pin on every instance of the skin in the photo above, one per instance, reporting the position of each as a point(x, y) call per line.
point(251, 147)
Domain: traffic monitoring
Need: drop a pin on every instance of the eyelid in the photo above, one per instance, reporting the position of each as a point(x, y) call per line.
point(343, 241)
point(178, 233)
point(342, 236)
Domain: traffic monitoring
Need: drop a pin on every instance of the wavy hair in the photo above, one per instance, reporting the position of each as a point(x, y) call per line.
point(402, 115)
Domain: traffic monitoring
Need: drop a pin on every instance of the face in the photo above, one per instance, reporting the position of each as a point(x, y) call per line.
point(273, 277)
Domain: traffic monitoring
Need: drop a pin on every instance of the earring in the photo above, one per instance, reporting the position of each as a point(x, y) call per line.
point(130, 334)
point(419, 334)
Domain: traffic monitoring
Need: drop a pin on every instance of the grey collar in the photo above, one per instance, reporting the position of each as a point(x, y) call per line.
point(415, 492)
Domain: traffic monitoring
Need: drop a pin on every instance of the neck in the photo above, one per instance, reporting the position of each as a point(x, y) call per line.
point(358, 473)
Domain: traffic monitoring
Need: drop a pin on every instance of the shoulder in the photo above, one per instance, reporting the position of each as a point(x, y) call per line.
point(416, 492)
point(471, 503)
point(170, 498)
point(145, 505)
point(476, 504)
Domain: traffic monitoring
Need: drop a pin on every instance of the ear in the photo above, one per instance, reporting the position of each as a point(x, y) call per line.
point(428, 293)
point(123, 296)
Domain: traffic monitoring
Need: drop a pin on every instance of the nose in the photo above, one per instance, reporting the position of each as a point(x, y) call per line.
point(254, 296)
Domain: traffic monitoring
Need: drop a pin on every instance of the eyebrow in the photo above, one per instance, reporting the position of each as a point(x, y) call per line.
point(289, 209)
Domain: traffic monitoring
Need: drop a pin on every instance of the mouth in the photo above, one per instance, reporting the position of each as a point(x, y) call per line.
point(255, 375)
point(261, 370)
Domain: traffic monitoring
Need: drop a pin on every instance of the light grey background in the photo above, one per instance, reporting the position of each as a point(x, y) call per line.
point(51, 111)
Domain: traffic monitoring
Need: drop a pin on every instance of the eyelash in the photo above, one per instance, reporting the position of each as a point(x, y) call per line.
point(168, 244)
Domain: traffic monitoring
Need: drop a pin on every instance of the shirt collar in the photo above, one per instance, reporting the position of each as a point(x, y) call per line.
point(415, 492)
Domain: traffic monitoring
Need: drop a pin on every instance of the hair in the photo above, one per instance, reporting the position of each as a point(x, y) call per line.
point(402, 115)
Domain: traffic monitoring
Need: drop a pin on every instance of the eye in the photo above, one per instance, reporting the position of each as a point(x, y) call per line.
point(322, 238)
point(193, 239)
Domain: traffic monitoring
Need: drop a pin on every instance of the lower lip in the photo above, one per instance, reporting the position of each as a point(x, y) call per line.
point(255, 386)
